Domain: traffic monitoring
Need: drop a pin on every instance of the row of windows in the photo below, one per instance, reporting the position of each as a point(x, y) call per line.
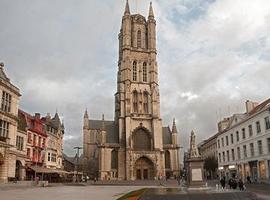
point(6, 102)
point(230, 156)
point(145, 101)
point(243, 133)
point(4, 129)
point(37, 140)
point(19, 143)
point(135, 72)
point(37, 155)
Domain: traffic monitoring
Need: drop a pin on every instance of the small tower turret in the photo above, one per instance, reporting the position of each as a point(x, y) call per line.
point(85, 120)
point(127, 10)
point(174, 133)
point(103, 131)
point(125, 35)
point(151, 29)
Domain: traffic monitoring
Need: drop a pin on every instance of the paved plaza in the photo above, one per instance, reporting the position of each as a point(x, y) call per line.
point(67, 193)
point(112, 191)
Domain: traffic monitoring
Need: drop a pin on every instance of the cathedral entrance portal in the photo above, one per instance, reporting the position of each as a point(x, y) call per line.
point(144, 169)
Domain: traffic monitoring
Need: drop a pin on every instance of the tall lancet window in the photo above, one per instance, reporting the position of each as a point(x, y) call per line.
point(144, 72)
point(134, 71)
point(139, 39)
point(135, 101)
point(145, 103)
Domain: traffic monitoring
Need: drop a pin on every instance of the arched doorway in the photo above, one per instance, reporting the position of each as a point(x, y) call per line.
point(144, 169)
point(18, 172)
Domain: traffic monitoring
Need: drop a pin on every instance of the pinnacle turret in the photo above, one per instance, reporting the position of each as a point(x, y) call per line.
point(127, 10)
point(151, 12)
point(85, 114)
point(174, 129)
point(103, 123)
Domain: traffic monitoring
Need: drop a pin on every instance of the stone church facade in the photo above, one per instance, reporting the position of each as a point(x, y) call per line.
point(134, 145)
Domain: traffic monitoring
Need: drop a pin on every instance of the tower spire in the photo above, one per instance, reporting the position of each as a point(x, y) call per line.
point(103, 123)
point(85, 113)
point(127, 11)
point(174, 129)
point(151, 12)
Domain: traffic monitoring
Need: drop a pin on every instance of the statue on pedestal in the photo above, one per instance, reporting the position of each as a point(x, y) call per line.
point(195, 165)
point(193, 149)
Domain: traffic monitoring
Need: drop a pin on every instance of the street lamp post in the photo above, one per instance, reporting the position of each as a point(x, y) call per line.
point(77, 163)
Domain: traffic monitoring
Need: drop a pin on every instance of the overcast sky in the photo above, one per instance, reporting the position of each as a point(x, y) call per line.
point(212, 56)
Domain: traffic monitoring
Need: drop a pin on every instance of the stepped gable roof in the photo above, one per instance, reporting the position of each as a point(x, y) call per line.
point(110, 128)
point(166, 135)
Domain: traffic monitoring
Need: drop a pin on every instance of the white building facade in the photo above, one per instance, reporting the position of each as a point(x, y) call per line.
point(244, 146)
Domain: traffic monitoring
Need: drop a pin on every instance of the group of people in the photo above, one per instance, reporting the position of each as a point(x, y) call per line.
point(232, 183)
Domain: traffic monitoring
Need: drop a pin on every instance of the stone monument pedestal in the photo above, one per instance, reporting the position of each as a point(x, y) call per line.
point(195, 172)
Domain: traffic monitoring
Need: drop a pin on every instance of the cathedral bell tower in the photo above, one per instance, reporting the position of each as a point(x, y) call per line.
point(137, 101)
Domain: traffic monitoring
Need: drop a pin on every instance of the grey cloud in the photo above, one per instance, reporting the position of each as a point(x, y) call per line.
point(63, 53)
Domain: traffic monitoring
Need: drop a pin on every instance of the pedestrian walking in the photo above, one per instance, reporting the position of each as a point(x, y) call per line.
point(241, 185)
point(223, 183)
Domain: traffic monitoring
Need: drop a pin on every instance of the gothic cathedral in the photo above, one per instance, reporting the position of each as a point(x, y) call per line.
point(135, 145)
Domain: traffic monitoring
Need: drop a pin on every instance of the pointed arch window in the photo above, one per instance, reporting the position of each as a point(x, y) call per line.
point(139, 39)
point(141, 140)
point(145, 102)
point(135, 101)
point(144, 72)
point(167, 160)
point(134, 71)
point(114, 159)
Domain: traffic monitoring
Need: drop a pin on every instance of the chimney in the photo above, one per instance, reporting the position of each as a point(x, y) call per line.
point(37, 115)
point(222, 125)
point(250, 105)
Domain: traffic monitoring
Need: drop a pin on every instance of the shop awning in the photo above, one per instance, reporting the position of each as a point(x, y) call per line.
point(48, 170)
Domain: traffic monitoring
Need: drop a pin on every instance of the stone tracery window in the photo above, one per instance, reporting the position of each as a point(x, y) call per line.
point(135, 101)
point(141, 140)
point(167, 160)
point(114, 160)
point(139, 39)
point(134, 71)
point(145, 102)
point(144, 72)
